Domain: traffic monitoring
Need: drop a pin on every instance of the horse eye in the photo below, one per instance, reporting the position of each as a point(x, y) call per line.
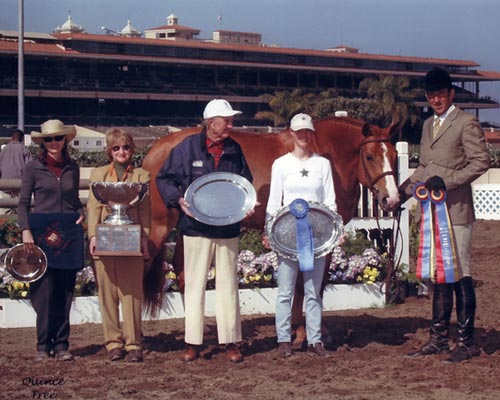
point(369, 157)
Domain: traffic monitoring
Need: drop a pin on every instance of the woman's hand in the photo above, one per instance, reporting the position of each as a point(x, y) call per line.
point(80, 219)
point(29, 243)
point(92, 246)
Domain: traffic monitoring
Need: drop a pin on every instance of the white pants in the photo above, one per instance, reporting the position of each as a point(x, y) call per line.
point(198, 255)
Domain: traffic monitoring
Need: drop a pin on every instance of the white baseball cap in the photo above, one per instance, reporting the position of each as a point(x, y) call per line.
point(219, 108)
point(301, 121)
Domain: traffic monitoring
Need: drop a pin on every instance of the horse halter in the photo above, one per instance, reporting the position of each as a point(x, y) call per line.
point(373, 182)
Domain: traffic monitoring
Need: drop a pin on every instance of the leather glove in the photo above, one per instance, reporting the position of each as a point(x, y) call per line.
point(435, 183)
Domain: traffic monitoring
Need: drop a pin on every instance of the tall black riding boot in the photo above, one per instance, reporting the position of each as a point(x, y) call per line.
point(466, 310)
point(442, 305)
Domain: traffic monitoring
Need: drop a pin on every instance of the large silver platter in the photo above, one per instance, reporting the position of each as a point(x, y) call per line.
point(326, 226)
point(220, 198)
point(25, 267)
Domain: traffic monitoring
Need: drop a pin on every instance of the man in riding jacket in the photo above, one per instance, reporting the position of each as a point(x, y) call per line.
point(212, 150)
point(453, 154)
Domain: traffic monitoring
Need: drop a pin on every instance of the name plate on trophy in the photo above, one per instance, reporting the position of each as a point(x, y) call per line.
point(118, 240)
point(118, 235)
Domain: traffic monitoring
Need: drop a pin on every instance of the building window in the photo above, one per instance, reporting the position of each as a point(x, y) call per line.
point(76, 143)
point(98, 143)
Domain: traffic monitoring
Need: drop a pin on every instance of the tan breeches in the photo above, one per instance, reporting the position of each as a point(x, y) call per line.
point(120, 281)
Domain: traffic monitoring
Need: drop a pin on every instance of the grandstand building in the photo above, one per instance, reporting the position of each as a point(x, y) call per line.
point(167, 74)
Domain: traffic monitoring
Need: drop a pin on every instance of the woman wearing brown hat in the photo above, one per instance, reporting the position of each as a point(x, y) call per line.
point(55, 225)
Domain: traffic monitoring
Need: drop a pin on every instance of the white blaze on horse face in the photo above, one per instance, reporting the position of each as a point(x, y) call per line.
point(390, 182)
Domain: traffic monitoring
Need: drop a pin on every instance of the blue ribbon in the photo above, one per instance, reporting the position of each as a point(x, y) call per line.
point(437, 256)
point(305, 246)
point(426, 248)
point(448, 252)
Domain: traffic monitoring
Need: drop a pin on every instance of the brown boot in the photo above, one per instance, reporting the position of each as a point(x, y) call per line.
point(233, 353)
point(191, 353)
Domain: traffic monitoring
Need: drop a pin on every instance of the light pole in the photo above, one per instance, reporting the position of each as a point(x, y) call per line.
point(20, 69)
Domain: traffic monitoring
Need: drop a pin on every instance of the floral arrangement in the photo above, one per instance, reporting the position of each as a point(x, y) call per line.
point(253, 272)
point(257, 271)
point(11, 288)
point(256, 266)
point(10, 233)
point(85, 282)
point(368, 267)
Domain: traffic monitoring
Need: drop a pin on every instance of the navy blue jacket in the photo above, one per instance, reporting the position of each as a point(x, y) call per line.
point(188, 161)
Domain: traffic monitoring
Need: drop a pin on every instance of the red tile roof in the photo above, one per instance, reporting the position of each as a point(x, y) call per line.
point(276, 50)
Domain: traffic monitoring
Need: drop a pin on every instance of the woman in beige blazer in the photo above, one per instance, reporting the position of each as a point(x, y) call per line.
point(119, 278)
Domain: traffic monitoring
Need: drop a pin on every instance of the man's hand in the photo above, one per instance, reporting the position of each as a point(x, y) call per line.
point(185, 207)
point(435, 183)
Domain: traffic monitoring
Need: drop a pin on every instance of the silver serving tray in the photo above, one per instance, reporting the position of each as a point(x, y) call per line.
point(25, 267)
point(220, 198)
point(327, 227)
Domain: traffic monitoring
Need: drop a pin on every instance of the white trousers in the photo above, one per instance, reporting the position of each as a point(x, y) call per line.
point(198, 255)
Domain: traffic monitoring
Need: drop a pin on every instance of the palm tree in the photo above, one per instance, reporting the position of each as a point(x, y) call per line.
point(395, 96)
point(286, 104)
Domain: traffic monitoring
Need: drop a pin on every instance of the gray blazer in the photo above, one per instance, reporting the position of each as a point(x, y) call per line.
point(459, 155)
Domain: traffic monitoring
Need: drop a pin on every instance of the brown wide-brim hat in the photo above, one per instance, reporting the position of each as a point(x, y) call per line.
point(51, 128)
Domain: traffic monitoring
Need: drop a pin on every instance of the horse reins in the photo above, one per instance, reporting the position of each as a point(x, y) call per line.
point(396, 259)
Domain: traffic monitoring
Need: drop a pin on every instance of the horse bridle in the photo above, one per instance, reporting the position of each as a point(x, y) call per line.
point(392, 258)
point(372, 182)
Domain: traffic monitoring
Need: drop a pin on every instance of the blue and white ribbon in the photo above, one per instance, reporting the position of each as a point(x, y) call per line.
point(305, 245)
point(437, 256)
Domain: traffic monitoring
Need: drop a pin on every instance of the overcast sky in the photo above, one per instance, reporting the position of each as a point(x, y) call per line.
point(455, 29)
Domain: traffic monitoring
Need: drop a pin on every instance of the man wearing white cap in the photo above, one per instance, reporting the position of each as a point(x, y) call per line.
point(212, 150)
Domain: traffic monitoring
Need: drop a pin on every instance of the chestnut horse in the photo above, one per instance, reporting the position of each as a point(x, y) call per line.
point(358, 152)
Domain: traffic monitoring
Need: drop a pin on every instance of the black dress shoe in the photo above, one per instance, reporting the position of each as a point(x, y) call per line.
point(41, 356)
point(462, 353)
point(64, 355)
point(430, 349)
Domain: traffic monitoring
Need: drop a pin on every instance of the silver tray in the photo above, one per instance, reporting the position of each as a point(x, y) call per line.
point(326, 225)
point(25, 267)
point(220, 198)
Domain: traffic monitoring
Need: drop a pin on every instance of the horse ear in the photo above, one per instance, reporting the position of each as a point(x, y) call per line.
point(366, 130)
point(394, 127)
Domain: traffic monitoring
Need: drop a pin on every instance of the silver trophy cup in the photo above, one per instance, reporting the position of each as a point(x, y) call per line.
point(119, 196)
point(118, 235)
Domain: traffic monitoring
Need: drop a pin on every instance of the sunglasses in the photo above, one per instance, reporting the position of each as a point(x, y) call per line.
point(124, 148)
point(51, 138)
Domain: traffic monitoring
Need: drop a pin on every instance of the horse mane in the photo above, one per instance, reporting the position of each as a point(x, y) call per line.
point(346, 121)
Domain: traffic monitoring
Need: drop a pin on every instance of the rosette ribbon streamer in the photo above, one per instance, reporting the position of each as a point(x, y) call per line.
point(305, 246)
point(437, 255)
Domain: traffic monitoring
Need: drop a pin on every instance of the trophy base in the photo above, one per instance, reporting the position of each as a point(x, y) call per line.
point(118, 240)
